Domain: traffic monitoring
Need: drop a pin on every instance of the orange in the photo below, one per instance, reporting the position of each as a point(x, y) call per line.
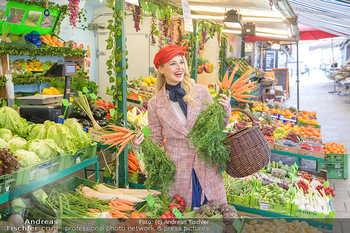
point(287, 112)
point(273, 110)
point(48, 36)
point(54, 39)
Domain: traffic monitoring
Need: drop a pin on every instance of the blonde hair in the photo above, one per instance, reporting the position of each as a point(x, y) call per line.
point(187, 83)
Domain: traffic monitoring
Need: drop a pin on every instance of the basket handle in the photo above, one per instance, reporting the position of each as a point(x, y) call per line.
point(242, 111)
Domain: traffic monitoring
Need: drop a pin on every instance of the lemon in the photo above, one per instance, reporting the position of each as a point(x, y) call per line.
point(145, 84)
point(147, 80)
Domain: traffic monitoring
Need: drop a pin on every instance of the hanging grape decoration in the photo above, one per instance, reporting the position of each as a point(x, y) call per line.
point(73, 6)
point(136, 16)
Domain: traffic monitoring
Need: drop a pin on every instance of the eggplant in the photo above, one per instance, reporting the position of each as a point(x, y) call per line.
point(101, 123)
point(92, 106)
point(103, 111)
point(97, 114)
point(105, 119)
point(83, 115)
point(85, 123)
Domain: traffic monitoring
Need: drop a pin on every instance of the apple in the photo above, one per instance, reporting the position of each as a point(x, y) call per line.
point(206, 67)
point(210, 85)
point(200, 69)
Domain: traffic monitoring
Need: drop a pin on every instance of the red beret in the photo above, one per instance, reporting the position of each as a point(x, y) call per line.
point(166, 53)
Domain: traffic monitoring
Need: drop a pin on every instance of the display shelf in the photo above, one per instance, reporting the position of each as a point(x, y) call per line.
point(286, 217)
point(49, 179)
point(299, 156)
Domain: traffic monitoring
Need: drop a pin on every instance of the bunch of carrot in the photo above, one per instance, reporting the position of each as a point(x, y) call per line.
point(239, 87)
point(133, 163)
point(120, 207)
point(121, 137)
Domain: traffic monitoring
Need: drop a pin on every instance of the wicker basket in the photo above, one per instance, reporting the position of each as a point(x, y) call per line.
point(249, 150)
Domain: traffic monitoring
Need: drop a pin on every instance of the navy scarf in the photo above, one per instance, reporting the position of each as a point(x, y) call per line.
point(176, 94)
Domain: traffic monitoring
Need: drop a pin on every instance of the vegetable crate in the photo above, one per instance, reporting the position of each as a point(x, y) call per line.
point(42, 169)
point(256, 203)
point(243, 201)
point(81, 155)
point(329, 219)
point(335, 158)
point(74, 181)
point(9, 182)
point(334, 171)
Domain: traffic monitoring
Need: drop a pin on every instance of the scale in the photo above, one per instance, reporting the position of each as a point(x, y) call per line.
point(39, 108)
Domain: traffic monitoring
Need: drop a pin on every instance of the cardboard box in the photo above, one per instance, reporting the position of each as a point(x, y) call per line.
point(271, 145)
point(287, 149)
point(311, 153)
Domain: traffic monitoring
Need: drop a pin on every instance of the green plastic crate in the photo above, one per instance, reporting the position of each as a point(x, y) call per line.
point(74, 181)
point(42, 169)
point(243, 201)
point(81, 155)
point(334, 171)
point(7, 182)
point(299, 123)
point(335, 158)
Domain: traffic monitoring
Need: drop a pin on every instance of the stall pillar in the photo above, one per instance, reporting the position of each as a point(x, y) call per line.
point(298, 75)
point(122, 168)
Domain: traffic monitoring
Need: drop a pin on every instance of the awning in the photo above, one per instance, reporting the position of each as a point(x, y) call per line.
point(329, 16)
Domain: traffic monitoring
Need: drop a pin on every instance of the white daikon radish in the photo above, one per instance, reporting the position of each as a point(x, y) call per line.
point(105, 190)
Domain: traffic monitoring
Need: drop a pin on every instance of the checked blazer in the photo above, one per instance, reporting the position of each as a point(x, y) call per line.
point(164, 123)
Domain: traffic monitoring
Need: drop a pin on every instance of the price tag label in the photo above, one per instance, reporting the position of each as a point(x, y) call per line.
point(65, 102)
point(40, 195)
point(150, 200)
point(146, 131)
point(140, 98)
point(85, 90)
point(177, 213)
point(18, 205)
point(46, 67)
point(237, 225)
point(135, 84)
point(337, 166)
point(93, 96)
point(264, 205)
point(112, 112)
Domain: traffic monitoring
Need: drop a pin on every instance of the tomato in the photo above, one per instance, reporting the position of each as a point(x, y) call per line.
point(178, 199)
point(134, 215)
point(171, 208)
point(92, 101)
point(99, 102)
point(179, 207)
point(108, 116)
point(182, 203)
point(175, 196)
point(110, 105)
point(171, 204)
point(143, 215)
point(163, 217)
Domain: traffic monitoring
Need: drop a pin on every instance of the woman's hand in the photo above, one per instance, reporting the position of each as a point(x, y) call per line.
point(136, 142)
point(226, 101)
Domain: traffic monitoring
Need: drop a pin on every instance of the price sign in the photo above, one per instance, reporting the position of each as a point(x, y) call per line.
point(135, 84)
point(150, 200)
point(237, 225)
point(264, 205)
point(112, 112)
point(46, 67)
point(40, 195)
point(85, 90)
point(177, 213)
point(141, 100)
point(146, 131)
point(65, 103)
point(18, 205)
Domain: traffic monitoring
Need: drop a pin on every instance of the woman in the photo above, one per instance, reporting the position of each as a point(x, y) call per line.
point(172, 113)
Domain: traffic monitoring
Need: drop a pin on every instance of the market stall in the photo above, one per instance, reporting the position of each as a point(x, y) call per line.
point(75, 120)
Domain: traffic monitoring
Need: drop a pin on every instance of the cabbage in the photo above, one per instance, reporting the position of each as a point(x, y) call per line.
point(83, 139)
point(5, 134)
point(3, 143)
point(45, 149)
point(16, 143)
point(36, 131)
point(10, 119)
point(49, 123)
point(26, 158)
point(63, 137)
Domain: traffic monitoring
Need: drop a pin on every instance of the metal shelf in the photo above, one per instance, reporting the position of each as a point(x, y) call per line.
point(297, 156)
point(49, 179)
point(286, 217)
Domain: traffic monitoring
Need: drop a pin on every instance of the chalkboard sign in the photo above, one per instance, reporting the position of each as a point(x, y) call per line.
point(282, 75)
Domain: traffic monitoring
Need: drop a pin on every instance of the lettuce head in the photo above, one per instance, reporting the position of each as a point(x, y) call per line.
point(36, 131)
point(63, 137)
point(83, 138)
point(26, 158)
point(3, 143)
point(10, 119)
point(16, 143)
point(44, 149)
point(5, 134)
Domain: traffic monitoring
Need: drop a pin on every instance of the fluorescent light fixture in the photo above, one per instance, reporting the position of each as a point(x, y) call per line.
point(271, 30)
point(207, 17)
point(276, 45)
point(278, 10)
point(269, 35)
point(261, 19)
point(232, 19)
point(232, 31)
point(207, 9)
point(232, 25)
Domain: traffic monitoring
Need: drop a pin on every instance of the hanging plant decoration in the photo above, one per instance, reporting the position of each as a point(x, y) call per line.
point(161, 35)
point(171, 34)
point(136, 16)
point(165, 25)
point(154, 31)
point(179, 32)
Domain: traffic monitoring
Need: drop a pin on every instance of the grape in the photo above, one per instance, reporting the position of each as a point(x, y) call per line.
point(153, 25)
point(136, 15)
point(73, 7)
point(179, 32)
point(241, 125)
point(267, 130)
point(293, 137)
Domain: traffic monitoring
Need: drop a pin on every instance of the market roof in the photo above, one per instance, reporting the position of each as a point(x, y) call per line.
point(272, 18)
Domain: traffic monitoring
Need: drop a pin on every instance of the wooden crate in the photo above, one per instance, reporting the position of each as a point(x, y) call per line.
point(287, 149)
